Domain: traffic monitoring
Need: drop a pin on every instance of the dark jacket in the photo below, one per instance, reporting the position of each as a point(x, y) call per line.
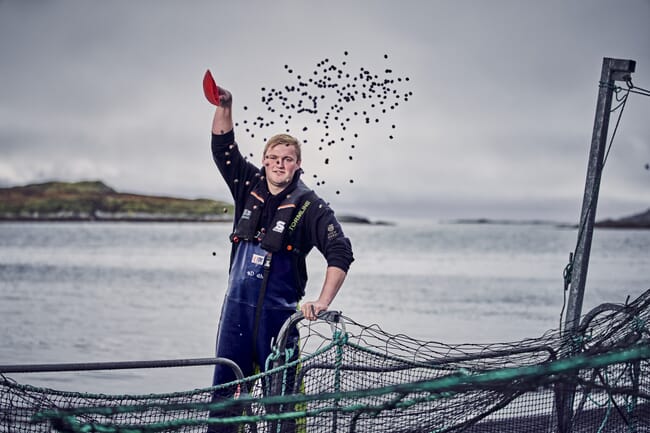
point(316, 227)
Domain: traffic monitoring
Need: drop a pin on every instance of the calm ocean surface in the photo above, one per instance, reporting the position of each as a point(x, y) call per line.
point(87, 292)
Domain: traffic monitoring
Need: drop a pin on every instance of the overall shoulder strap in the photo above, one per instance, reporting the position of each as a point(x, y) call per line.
point(287, 217)
point(250, 218)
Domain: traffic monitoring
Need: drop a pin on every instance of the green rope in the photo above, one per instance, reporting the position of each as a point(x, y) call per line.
point(639, 324)
point(424, 391)
point(606, 417)
point(342, 339)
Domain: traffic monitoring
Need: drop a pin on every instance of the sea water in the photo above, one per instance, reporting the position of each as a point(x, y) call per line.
point(90, 292)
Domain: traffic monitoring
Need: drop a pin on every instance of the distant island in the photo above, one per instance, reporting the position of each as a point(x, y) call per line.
point(96, 201)
point(636, 221)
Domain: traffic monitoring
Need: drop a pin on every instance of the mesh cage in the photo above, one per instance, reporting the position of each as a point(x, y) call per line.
point(348, 377)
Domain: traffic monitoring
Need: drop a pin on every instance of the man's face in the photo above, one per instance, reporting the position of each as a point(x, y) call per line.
point(281, 163)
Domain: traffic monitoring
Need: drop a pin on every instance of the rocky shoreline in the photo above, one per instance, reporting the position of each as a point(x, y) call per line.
point(110, 217)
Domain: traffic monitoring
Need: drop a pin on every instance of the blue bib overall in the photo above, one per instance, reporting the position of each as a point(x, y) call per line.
point(261, 296)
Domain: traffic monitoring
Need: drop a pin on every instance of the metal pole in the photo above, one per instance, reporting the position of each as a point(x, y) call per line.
point(612, 70)
point(120, 365)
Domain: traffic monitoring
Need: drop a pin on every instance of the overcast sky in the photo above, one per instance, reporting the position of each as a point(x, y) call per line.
point(498, 124)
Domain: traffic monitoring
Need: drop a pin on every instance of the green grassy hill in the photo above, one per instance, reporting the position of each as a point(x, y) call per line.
point(93, 200)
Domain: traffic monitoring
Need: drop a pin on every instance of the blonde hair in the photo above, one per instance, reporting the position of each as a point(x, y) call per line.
point(285, 139)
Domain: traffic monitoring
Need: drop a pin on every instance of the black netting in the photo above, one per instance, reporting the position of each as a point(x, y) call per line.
point(354, 378)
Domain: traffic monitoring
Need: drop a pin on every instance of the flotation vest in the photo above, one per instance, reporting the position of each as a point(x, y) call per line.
point(287, 216)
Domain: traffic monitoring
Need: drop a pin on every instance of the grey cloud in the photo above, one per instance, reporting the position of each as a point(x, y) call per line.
point(500, 120)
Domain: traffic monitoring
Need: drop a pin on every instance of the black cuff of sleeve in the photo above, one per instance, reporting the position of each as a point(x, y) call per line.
point(223, 139)
point(341, 264)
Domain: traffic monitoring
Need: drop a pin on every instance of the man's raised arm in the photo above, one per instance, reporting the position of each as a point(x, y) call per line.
point(222, 121)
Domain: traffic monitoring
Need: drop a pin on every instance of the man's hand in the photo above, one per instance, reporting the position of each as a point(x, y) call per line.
point(311, 309)
point(215, 95)
point(333, 280)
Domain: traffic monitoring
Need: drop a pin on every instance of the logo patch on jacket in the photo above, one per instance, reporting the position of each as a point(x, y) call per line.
point(279, 226)
point(331, 232)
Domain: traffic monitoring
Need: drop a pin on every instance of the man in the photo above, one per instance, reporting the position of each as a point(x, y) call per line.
point(278, 220)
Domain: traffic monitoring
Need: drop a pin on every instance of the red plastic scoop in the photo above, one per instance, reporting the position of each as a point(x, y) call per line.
point(210, 88)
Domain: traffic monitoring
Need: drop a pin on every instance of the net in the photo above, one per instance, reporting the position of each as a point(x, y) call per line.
point(348, 377)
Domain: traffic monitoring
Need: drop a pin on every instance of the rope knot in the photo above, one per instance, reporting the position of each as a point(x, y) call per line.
point(340, 337)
